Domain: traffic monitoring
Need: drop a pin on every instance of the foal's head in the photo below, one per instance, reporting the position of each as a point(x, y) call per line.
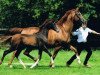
point(49, 24)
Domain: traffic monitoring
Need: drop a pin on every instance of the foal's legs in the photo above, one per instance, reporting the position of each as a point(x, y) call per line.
point(46, 50)
point(27, 51)
point(39, 57)
point(5, 53)
point(11, 60)
point(17, 54)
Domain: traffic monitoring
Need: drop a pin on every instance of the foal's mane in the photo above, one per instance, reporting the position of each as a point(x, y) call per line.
point(46, 22)
point(63, 19)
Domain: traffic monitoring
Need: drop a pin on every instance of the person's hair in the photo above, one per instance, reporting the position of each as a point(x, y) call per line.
point(85, 22)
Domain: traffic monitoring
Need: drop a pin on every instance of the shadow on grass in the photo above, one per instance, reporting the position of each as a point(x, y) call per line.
point(44, 67)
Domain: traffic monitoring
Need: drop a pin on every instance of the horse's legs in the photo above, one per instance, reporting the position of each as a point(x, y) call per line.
point(56, 50)
point(17, 56)
point(76, 52)
point(39, 57)
point(27, 51)
point(5, 53)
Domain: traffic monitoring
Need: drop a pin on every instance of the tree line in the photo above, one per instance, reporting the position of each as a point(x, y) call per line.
point(25, 13)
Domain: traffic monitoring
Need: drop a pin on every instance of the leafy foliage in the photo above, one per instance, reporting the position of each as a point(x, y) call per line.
point(25, 13)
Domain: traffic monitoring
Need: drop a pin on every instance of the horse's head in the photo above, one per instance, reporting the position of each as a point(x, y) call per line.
point(71, 16)
point(77, 16)
point(49, 24)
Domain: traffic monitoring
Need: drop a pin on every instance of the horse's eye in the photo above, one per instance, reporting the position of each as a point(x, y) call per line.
point(78, 14)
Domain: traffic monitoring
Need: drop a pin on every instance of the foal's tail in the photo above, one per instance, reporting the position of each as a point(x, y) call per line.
point(7, 40)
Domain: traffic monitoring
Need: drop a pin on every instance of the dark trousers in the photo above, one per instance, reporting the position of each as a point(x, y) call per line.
point(80, 47)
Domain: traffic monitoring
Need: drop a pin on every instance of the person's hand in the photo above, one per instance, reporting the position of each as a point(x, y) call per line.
point(98, 33)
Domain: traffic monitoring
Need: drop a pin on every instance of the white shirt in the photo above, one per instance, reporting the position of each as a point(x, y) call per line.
point(82, 34)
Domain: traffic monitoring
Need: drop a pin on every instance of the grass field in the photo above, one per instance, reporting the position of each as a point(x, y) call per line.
point(60, 65)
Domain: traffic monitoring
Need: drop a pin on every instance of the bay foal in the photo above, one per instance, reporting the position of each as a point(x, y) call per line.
point(38, 41)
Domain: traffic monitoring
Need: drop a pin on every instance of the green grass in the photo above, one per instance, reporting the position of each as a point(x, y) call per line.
point(60, 65)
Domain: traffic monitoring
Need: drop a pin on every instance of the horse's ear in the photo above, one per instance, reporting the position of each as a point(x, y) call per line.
point(54, 22)
point(77, 9)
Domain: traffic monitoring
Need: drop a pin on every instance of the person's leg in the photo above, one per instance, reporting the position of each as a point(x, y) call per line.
point(89, 53)
point(79, 49)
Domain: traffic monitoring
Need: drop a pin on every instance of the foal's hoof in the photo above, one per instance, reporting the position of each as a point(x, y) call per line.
point(10, 66)
point(52, 65)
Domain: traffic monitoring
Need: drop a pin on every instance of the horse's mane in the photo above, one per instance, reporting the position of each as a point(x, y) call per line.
point(63, 19)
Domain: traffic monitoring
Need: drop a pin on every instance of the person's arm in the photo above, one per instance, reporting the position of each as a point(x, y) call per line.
point(94, 32)
point(75, 32)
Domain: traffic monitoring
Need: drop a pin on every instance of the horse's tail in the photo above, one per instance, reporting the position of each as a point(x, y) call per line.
point(13, 31)
point(7, 40)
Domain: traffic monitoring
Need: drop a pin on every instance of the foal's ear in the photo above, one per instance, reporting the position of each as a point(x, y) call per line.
point(41, 25)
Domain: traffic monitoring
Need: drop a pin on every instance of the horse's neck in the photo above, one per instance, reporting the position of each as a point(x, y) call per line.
point(68, 26)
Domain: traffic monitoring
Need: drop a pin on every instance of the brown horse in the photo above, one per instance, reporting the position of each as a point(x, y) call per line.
point(38, 41)
point(65, 25)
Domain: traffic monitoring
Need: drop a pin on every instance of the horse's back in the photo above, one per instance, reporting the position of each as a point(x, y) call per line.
point(30, 30)
point(13, 31)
